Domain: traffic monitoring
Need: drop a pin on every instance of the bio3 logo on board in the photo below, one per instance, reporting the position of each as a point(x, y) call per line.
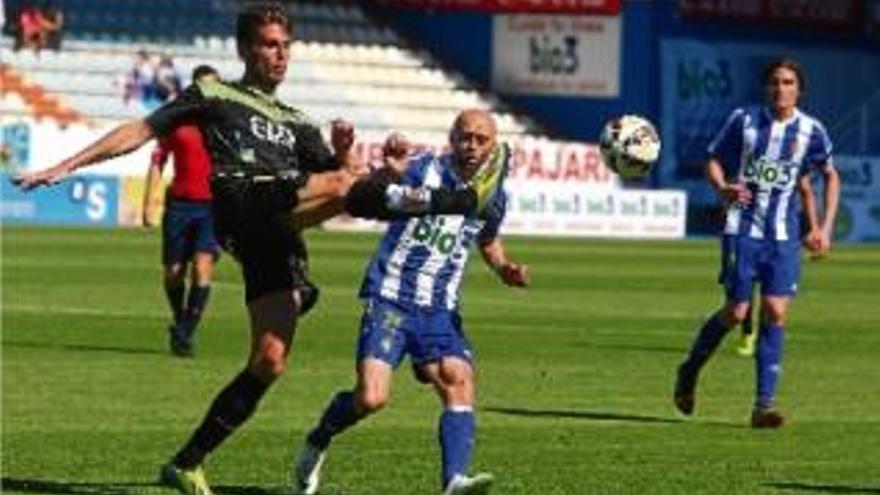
point(550, 55)
point(701, 79)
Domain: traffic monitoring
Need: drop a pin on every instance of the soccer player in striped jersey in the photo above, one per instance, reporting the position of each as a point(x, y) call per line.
point(758, 160)
point(411, 295)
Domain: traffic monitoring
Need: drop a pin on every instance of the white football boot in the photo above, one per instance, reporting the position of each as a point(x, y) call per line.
point(477, 484)
point(307, 471)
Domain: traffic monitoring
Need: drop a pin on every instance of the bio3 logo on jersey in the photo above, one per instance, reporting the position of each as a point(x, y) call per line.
point(430, 231)
point(273, 132)
point(765, 172)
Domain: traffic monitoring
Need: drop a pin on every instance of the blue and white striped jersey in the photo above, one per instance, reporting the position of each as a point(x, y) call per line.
point(769, 156)
point(421, 261)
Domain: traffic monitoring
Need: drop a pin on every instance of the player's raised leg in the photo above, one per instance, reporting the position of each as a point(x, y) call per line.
point(382, 195)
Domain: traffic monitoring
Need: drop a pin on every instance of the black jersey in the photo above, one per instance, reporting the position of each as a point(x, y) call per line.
point(246, 131)
point(262, 152)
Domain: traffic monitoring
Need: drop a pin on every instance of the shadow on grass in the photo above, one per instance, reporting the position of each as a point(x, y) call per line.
point(47, 487)
point(663, 349)
point(588, 415)
point(82, 347)
point(819, 488)
point(62, 487)
point(608, 416)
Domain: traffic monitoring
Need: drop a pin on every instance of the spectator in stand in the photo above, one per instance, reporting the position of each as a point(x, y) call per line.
point(140, 82)
point(29, 29)
point(53, 26)
point(167, 83)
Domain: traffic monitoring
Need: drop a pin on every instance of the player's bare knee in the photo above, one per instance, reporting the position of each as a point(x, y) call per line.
point(270, 360)
point(459, 393)
point(774, 310)
point(174, 275)
point(734, 314)
point(371, 399)
point(456, 382)
point(774, 316)
point(203, 269)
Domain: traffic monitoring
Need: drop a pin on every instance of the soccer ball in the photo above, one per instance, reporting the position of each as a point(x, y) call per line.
point(629, 145)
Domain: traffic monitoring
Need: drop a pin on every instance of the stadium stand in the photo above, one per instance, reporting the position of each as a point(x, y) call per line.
point(344, 64)
point(18, 95)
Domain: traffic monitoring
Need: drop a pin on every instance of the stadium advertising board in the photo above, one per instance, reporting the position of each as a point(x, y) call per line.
point(557, 188)
point(534, 6)
point(859, 217)
point(559, 209)
point(556, 55)
point(81, 200)
point(564, 189)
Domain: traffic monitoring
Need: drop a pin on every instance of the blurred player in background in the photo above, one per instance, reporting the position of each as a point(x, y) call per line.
point(411, 295)
point(187, 224)
point(272, 173)
point(757, 160)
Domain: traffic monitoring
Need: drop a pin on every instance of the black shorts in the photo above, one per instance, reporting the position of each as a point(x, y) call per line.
point(253, 222)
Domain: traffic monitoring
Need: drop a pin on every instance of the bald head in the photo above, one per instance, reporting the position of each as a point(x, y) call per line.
point(472, 138)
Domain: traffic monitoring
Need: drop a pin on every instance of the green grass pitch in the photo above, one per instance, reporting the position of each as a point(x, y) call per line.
point(574, 391)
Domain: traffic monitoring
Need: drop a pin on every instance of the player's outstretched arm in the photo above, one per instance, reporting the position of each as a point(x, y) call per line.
point(121, 140)
point(510, 272)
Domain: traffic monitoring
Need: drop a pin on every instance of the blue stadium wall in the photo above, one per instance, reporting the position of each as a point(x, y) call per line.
point(663, 55)
point(463, 41)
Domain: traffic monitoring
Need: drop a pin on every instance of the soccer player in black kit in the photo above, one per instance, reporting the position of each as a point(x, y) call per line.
point(272, 175)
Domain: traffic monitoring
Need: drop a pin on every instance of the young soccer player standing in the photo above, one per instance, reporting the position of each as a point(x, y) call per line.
point(757, 160)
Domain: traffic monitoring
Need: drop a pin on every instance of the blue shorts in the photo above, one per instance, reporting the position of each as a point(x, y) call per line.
point(187, 228)
point(390, 331)
point(775, 265)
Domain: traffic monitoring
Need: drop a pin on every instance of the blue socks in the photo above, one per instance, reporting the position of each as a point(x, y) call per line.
point(768, 357)
point(457, 432)
point(338, 417)
point(708, 339)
